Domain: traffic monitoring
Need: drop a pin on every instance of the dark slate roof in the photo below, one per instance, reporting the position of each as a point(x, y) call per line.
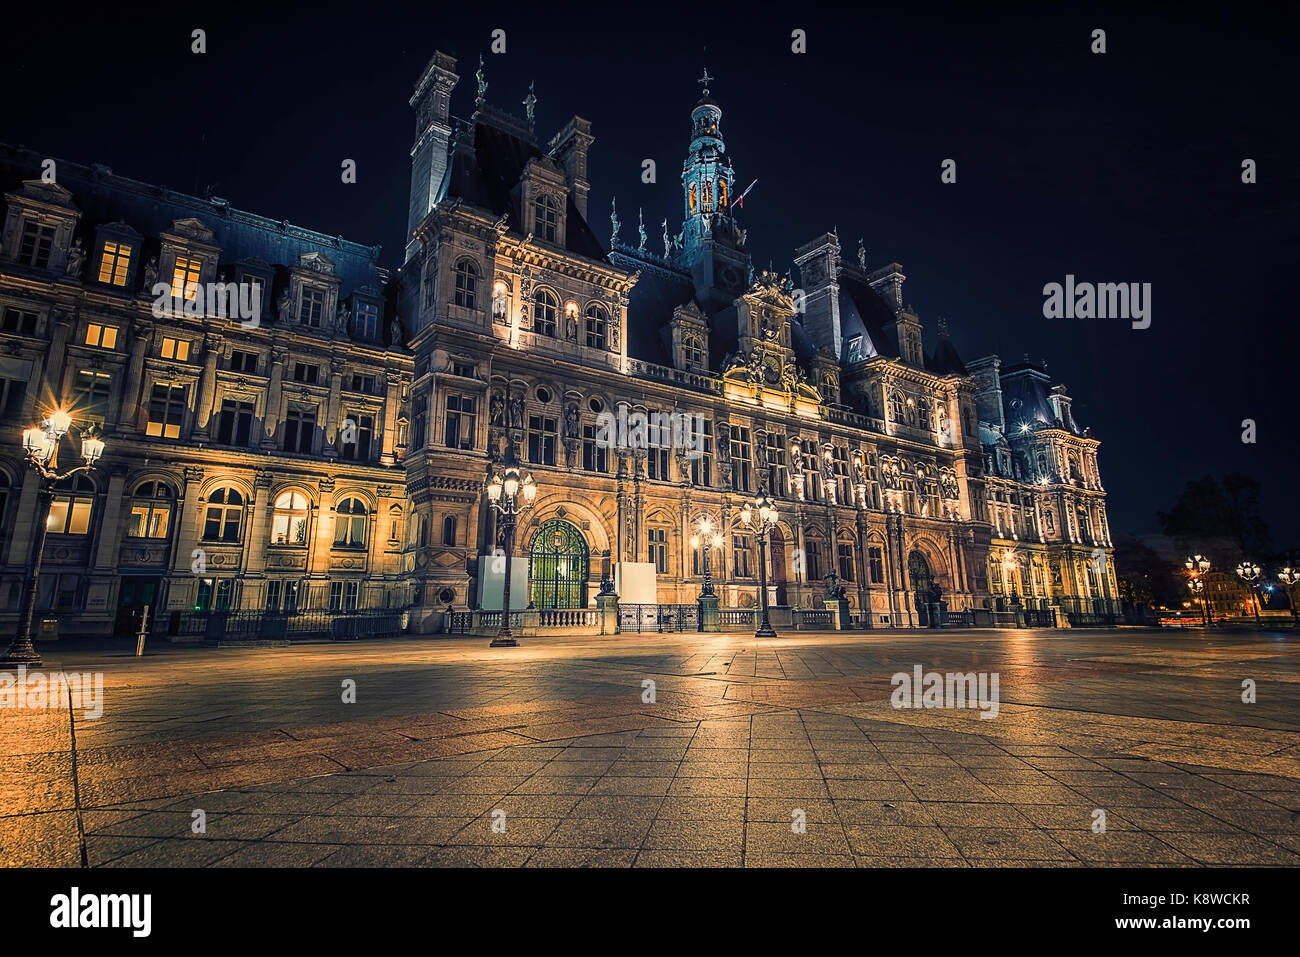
point(650, 308)
point(487, 163)
point(945, 360)
point(1024, 396)
point(863, 313)
point(104, 197)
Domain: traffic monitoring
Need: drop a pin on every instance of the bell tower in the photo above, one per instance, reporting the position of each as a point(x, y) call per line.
point(712, 243)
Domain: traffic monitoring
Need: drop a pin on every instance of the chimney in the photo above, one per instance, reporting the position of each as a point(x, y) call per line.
point(569, 147)
point(988, 385)
point(819, 266)
point(432, 104)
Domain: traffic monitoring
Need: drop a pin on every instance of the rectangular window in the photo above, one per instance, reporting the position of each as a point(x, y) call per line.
point(13, 392)
point(843, 485)
point(419, 421)
point(302, 372)
point(364, 384)
point(812, 553)
point(101, 336)
point(299, 430)
point(34, 248)
point(114, 263)
point(461, 421)
point(290, 596)
point(68, 596)
point(595, 454)
point(658, 540)
point(225, 594)
point(178, 349)
point(343, 595)
point(776, 464)
point(243, 361)
point(19, 321)
point(69, 515)
point(702, 466)
point(185, 277)
point(740, 556)
point(542, 436)
point(462, 369)
point(812, 478)
point(357, 440)
point(311, 307)
point(366, 321)
point(741, 464)
point(656, 464)
point(235, 423)
point(256, 295)
point(273, 595)
point(876, 563)
point(845, 551)
point(166, 411)
point(336, 596)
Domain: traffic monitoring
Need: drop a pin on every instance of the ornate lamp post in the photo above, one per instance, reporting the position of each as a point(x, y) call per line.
point(1289, 577)
point(1199, 565)
point(41, 445)
point(766, 509)
point(509, 493)
point(1249, 573)
point(707, 538)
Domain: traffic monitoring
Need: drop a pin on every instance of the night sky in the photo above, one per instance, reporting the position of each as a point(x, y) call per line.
point(1122, 167)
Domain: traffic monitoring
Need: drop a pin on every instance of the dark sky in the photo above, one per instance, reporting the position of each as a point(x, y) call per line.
point(1123, 167)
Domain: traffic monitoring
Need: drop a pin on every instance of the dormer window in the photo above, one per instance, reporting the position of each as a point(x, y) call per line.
point(692, 354)
point(37, 241)
point(114, 263)
point(311, 307)
point(855, 349)
point(185, 277)
point(597, 326)
point(366, 323)
point(546, 216)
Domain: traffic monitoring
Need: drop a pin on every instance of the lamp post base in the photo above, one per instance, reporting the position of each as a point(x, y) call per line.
point(504, 641)
point(766, 630)
point(21, 656)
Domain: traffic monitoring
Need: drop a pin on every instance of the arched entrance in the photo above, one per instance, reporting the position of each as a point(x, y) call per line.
point(558, 567)
point(922, 579)
point(777, 550)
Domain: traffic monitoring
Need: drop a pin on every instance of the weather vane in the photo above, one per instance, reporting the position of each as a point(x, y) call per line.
point(704, 80)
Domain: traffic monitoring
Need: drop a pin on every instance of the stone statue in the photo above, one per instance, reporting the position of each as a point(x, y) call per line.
point(571, 326)
point(668, 245)
point(150, 273)
point(482, 80)
point(342, 316)
point(613, 222)
point(395, 333)
point(284, 307)
point(862, 256)
point(516, 412)
point(640, 228)
point(571, 422)
point(498, 409)
point(76, 257)
point(530, 105)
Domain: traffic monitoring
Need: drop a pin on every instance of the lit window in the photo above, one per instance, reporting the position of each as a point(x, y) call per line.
point(366, 323)
point(103, 337)
point(151, 510)
point(350, 524)
point(71, 506)
point(289, 519)
point(178, 349)
point(114, 263)
point(166, 412)
point(185, 277)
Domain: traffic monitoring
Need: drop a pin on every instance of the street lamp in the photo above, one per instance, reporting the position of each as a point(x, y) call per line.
point(509, 493)
point(1199, 565)
point(41, 445)
point(766, 509)
point(1289, 577)
point(1009, 566)
point(1249, 573)
point(706, 538)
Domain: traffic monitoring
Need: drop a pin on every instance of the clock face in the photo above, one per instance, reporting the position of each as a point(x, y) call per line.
point(772, 371)
point(730, 276)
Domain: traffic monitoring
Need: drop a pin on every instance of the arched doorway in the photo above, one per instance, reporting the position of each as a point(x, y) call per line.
point(558, 567)
point(777, 550)
point(918, 572)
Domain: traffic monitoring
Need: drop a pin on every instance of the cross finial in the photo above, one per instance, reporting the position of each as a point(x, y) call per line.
point(705, 80)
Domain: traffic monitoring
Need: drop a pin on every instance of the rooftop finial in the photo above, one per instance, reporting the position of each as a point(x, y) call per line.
point(613, 221)
point(640, 228)
point(862, 255)
point(705, 80)
point(530, 105)
point(482, 80)
point(943, 326)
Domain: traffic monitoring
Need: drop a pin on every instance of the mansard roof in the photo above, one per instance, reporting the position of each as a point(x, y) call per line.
point(488, 159)
point(945, 360)
point(863, 313)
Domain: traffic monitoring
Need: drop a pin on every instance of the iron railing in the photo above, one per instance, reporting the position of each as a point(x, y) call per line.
point(639, 618)
point(310, 625)
point(814, 618)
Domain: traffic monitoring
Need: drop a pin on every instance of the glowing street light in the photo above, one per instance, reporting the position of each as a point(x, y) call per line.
point(510, 493)
point(1199, 566)
point(1249, 573)
point(41, 446)
point(766, 509)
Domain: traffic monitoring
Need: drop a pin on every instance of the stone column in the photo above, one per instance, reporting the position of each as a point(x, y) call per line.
point(61, 329)
point(864, 570)
point(271, 418)
point(110, 521)
point(207, 386)
point(392, 405)
point(20, 543)
point(128, 416)
point(257, 525)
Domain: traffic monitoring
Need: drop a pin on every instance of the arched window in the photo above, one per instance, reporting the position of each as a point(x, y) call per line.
point(499, 290)
point(467, 284)
point(151, 511)
point(71, 506)
point(597, 326)
point(693, 353)
point(547, 218)
point(224, 516)
point(350, 524)
point(722, 193)
point(289, 519)
point(706, 196)
point(896, 406)
point(692, 198)
point(449, 530)
point(546, 309)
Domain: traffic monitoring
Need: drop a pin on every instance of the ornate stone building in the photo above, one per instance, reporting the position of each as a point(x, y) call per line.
point(294, 429)
point(903, 471)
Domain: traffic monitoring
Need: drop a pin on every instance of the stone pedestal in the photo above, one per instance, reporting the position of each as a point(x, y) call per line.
point(710, 619)
point(839, 609)
point(607, 610)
